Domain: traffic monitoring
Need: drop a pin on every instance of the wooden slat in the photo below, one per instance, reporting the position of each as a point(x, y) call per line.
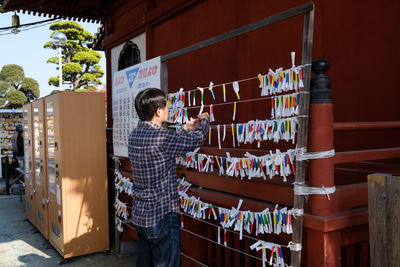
point(218, 252)
point(364, 254)
point(324, 224)
point(210, 247)
point(370, 125)
point(228, 251)
point(236, 256)
point(299, 10)
point(355, 234)
point(364, 155)
point(243, 188)
point(350, 196)
point(336, 222)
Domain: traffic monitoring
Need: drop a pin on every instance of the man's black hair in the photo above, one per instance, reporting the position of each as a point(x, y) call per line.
point(148, 101)
point(18, 128)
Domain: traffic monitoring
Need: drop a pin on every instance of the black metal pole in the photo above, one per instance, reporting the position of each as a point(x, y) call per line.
point(7, 174)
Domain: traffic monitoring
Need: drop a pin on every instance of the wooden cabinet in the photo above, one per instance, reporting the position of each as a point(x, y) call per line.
point(30, 196)
point(77, 173)
point(73, 194)
point(39, 168)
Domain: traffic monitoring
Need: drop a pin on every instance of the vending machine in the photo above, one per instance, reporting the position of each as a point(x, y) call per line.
point(30, 196)
point(77, 172)
point(39, 169)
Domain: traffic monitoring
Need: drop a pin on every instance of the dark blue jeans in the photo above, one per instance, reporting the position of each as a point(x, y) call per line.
point(160, 245)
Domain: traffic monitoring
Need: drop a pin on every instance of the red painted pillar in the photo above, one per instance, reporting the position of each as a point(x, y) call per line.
point(321, 170)
point(321, 137)
point(323, 248)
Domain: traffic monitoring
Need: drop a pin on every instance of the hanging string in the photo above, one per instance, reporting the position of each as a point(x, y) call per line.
point(205, 238)
point(243, 80)
point(243, 101)
point(222, 245)
point(291, 245)
point(298, 212)
point(217, 226)
point(199, 263)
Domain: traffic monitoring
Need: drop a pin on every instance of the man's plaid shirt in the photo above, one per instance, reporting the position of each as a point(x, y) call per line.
point(153, 150)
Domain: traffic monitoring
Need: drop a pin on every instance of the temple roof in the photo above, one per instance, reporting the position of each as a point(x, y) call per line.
point(79, 10)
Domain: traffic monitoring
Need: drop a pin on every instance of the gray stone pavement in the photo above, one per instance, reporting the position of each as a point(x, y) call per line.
point(22, 245)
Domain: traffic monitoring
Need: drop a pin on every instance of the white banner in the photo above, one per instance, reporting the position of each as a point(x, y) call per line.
point(126, 85)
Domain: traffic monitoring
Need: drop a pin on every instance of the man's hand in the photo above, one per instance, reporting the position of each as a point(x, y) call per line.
point(192, 124)
point(204, 115)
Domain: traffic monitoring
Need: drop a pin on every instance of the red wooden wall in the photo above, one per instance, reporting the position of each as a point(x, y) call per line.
point(360, 40)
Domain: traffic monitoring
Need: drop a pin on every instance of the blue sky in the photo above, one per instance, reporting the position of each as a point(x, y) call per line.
point(26, 49)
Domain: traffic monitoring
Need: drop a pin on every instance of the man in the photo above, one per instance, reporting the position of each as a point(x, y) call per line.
point(153, 151)
point(17, 143)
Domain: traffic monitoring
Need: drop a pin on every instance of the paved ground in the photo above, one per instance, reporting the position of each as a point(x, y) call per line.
point(22, 245)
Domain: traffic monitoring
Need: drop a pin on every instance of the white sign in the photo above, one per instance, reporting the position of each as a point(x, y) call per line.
point(126, 85)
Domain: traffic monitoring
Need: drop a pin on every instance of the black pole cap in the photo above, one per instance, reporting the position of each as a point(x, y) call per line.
point(320, 86)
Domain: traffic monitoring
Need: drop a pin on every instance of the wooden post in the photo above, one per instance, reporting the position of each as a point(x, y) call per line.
point(321, 137)
point(117, 162)
point(323, 248)
point(298, 203)
point(7, 174)
point(384, 214)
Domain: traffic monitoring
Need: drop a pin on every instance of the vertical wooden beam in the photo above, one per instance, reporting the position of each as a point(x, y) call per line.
point(210, 247)
point(218, 251)
point(164, 75)
point(384, 213)
point(117, 239)
point(364, 254)
point(247, 259)
point(303, 129)
point(228, 252)
point(109, 89)
point(149, 43)
point(322, 249)
point(236, 255)
point(351, 254)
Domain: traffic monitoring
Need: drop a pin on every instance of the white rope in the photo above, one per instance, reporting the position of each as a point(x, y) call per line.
point(297, 212)
point(294, 246)
point(116, 159)
point(306, 190)
point(302, 154)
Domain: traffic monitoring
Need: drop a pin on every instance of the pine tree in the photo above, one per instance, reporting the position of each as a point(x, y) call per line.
point(15, 88)
point(80, 63)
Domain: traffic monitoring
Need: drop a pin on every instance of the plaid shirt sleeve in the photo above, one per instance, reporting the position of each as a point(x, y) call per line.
point(182, 141)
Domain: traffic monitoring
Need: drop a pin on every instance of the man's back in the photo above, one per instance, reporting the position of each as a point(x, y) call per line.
point(152, 151)
point(14, 144)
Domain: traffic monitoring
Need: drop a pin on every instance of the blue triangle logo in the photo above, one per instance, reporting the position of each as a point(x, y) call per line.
point(131, 76)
